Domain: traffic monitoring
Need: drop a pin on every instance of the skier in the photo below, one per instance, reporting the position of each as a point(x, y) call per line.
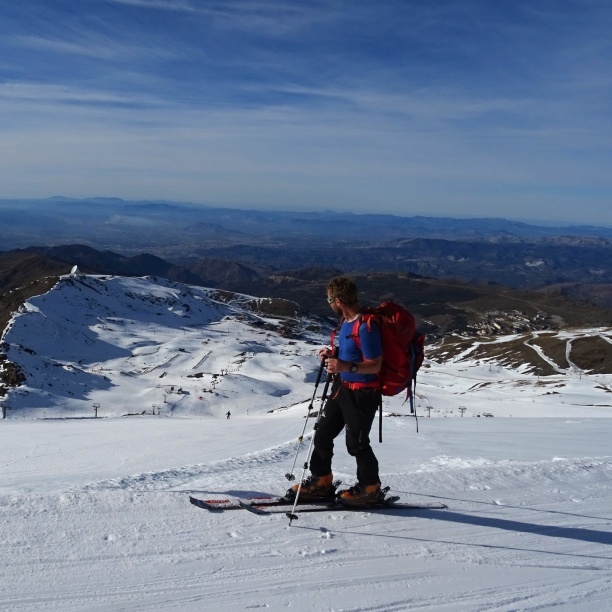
point(228, 415)
point(354, 400)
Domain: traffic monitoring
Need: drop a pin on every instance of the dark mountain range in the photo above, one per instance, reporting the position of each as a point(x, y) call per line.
point(514, 264)
point(442, 307)
point(514, 254)
point(107, 262)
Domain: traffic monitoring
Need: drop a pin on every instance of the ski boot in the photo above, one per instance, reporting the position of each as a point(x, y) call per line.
point(314, 487)
point(361, 495)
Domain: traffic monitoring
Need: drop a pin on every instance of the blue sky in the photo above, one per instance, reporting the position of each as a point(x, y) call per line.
point(496, 108)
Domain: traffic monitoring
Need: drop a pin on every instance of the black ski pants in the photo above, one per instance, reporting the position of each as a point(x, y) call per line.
point(353, 410)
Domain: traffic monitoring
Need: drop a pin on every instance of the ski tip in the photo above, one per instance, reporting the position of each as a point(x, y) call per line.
point(214, 505)
point(198, 502)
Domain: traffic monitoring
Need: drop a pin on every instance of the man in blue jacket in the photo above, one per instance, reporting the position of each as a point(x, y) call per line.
point(353, 402)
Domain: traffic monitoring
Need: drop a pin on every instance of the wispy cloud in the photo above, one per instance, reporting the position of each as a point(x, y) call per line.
point(165, 5)
point(39, 97)
point(100, 48)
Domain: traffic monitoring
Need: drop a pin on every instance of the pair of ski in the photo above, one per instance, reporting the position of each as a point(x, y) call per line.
point(274, 505)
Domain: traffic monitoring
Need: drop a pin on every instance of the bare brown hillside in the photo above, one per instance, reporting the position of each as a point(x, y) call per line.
point(544, 354)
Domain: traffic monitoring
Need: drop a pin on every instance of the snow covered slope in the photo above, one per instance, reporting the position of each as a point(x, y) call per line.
point(96, 514)
point(129, 344)
point(134, 345)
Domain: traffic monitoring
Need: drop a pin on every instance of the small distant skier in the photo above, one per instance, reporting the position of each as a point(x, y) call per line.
point(228, 415)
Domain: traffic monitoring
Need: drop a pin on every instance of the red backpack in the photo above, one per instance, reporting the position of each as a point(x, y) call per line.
point(402, 344)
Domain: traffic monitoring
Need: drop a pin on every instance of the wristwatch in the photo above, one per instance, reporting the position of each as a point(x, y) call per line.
point(353, 368)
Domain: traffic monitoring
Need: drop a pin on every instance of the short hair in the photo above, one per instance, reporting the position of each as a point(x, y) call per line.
point(344, 289)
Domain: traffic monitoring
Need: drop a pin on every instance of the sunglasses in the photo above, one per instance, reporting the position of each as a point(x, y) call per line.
point(330, 300)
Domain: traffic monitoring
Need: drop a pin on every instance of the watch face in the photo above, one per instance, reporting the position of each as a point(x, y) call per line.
point(353, 368)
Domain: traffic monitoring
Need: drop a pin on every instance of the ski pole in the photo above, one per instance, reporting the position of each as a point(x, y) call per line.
point(290, 476)
point(414, 354)
point(292, 515)
point(416, 418)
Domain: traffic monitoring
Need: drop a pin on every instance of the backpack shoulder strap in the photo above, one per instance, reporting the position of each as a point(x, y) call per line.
point(367, 318)
point(355, 332)
point(332, 341)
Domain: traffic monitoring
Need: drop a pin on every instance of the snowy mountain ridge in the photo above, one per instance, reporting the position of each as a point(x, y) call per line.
point(92, 338)
point(121, 346)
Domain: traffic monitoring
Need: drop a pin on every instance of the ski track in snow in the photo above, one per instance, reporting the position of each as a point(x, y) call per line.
point(96, 511)
point(518, 535)
point(180, 476)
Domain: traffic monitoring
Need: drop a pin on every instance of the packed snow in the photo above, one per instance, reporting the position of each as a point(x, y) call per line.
point(96, 511)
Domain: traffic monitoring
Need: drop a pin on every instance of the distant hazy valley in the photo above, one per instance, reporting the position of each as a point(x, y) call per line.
point(516, 255)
